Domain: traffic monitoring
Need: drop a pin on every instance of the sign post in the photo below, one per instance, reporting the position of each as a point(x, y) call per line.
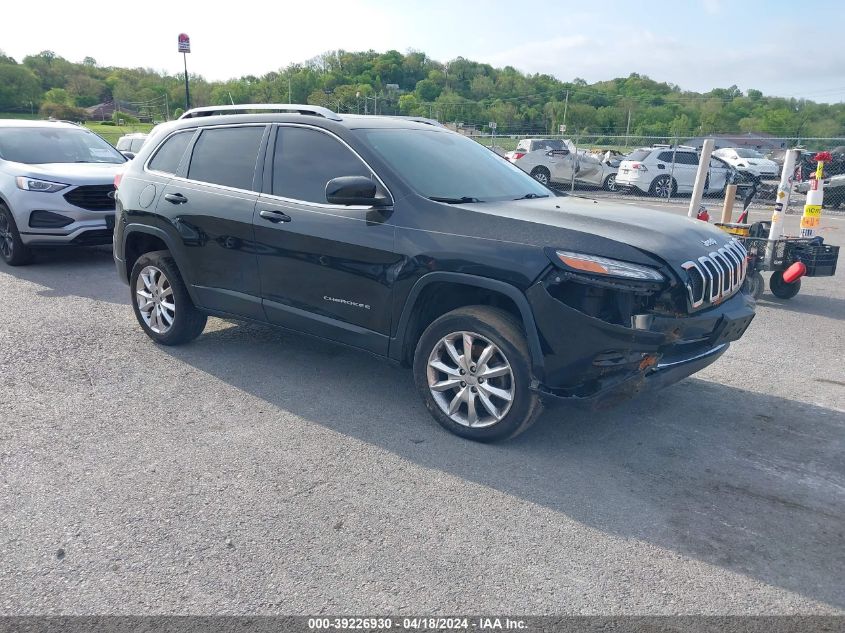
point(492, 125)
point(185, 48)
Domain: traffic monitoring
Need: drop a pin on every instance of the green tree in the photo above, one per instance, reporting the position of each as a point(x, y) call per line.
point(18, 87)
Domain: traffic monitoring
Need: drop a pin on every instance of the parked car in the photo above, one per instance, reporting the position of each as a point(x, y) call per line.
point(130, 144)
point(528, 145)
point(418, 244)
point(805, 166)
point(651, 170)
point(557, 166)
point(56, 187)
point(749, 161)
point(834, 191)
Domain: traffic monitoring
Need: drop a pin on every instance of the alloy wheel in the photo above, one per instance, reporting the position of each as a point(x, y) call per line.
point(663, 187)
point(610, 183)
point(154, 295)
point(541, 177)
point(470, 379)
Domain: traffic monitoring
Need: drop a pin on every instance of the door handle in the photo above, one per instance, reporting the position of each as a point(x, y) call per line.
point(175, 198)
point(274, 216)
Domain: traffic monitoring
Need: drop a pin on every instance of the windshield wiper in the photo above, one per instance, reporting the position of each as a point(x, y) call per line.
point(531, 196)
point(462, 200)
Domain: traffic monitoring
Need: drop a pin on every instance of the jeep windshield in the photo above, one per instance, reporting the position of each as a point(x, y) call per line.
point(449, 167)
point(40, 145)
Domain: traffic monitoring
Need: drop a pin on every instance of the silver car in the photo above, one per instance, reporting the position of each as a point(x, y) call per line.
point(56, 187)
point(557, 166)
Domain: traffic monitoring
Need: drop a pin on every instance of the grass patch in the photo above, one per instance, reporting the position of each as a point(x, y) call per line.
point(19, 115)
point(113, 132)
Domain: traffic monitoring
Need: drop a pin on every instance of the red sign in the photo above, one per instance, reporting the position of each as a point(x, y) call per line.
point(184, 43)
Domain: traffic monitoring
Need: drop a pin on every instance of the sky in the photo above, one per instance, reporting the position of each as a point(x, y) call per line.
point(772, 45)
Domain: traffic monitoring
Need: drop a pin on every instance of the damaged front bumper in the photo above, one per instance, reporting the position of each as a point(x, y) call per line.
point(588, 359)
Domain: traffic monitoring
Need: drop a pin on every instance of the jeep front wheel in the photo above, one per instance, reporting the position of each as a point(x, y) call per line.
point(472, 369)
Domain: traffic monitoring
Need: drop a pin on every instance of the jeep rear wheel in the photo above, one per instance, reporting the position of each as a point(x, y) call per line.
point(161, 301)
point(12, 250)
point(472, 369)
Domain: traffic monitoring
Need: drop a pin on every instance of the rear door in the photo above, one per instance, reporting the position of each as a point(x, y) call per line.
point(686, 164)
point(325, 269)
point(561, 164)
point(210, 203)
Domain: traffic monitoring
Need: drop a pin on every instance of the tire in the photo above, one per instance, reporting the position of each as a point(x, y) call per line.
point(754, 285)
point(155, 279)
point(660, 187)
point(542, 175)
point(609, 183)
point(498, 418)
point(780, 288)
point(12, 250)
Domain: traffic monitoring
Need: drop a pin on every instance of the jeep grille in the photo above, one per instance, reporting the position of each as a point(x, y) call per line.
point(714, 277)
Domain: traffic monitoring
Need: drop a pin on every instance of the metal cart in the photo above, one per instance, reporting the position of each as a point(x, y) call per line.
point(777, 255)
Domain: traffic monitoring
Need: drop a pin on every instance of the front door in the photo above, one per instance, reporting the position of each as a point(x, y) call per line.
point(325, 269)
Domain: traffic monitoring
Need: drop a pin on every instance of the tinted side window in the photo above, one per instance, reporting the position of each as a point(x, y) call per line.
point(666, 157)
point(169, 155)
point(686, 158)
point(305, 160)
point(226, 156)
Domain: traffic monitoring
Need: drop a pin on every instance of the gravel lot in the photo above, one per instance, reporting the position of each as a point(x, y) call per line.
point(259, 472)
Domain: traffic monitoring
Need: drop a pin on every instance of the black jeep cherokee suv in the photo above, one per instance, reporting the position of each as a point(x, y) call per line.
point(399, 237)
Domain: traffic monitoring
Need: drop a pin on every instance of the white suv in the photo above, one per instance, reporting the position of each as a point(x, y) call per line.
point(56, 187)
point(749, 160)
point(651, 170)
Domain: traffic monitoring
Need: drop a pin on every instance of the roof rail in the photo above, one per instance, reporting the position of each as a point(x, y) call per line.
point(271, 107)
point(420, 119)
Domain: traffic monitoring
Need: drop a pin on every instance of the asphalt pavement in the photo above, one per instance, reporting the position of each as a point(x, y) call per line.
point(255, 471)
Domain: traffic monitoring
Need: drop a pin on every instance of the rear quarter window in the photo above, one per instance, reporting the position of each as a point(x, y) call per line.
point(169, 155)
point(638, 155)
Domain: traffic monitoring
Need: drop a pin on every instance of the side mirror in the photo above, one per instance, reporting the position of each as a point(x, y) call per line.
point(128, 155)
point(357, 190)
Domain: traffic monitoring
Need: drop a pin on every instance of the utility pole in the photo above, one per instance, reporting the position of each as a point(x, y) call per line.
point(628, 127)
point(290, 100)
point(166, 107)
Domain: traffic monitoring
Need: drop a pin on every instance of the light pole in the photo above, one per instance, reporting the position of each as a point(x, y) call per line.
point(185, 48)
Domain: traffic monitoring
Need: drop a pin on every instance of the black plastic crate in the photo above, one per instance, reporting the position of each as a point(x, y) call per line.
point(820, 259)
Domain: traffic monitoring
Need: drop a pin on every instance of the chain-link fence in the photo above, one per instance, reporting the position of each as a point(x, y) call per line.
point(663, 169)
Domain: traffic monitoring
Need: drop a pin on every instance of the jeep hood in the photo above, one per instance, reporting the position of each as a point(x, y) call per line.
point(622, 231)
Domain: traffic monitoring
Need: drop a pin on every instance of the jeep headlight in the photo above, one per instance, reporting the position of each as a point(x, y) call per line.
point(603, 266)
point(44, 186)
